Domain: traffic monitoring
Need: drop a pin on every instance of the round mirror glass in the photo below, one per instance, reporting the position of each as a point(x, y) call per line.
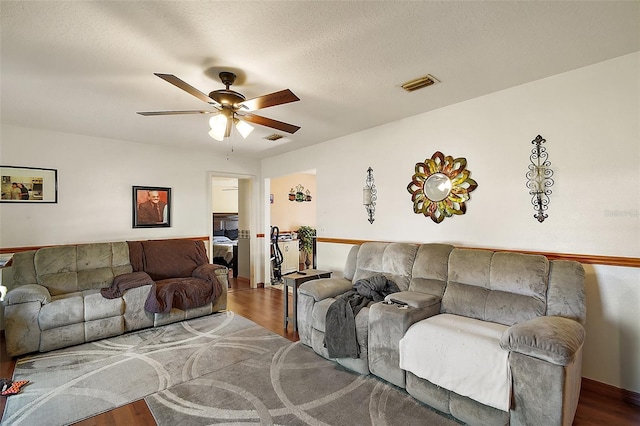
point(437, 187)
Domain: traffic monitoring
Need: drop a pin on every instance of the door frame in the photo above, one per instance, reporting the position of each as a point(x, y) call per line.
point(253, 245)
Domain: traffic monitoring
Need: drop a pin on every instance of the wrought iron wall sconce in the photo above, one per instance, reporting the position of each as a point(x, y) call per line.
point(370, 195)
point(299, 194)
point(539, 178)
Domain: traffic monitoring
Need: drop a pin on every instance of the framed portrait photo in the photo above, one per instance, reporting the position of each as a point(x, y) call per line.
point(28, 185)
point(151, 207)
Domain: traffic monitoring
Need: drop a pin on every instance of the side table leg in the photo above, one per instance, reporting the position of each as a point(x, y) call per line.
point(285, 292)
point(295, 306)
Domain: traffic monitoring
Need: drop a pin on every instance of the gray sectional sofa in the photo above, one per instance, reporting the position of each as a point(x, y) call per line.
point(55, 298)
point(487, 337)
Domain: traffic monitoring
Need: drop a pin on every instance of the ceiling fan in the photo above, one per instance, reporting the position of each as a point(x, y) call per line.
point(231, 107)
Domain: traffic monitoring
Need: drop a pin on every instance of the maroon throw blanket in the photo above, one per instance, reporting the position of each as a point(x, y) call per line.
point(124, 282)
point(181, 293)
point(163, 259)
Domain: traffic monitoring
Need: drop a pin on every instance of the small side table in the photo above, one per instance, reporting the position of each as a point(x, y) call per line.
point(294, 280)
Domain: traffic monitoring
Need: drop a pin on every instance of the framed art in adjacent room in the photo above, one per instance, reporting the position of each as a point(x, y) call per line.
point(28, 185)
point(151, 207)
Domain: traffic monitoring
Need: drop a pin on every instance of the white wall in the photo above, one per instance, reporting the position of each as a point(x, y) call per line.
point(95, 177)
point(590, 118)
point(291, 215)
point(224, 197)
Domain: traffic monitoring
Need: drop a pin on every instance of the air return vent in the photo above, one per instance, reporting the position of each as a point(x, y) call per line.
point(419, 83)
point(273, 137)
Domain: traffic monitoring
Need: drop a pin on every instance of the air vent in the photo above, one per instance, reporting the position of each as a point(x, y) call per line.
point(273, 137)
point(419, 83)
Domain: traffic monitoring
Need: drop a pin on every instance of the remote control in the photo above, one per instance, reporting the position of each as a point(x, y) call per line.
point(398, 302)
point(302, 273)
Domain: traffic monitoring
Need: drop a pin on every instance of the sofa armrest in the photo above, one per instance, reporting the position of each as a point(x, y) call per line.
point(205, 269)
point(28, 293)
point(553, 339)
point(323, 288)
point(414, 299)
point(209, 271)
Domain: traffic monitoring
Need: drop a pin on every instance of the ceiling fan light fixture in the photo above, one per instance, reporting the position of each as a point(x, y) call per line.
point(218, 124)
point(218, 120)
point(244, 128)
point(219, 136)
point(419, 83)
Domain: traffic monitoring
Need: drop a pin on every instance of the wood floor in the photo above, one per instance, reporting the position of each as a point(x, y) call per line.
point(264, 306)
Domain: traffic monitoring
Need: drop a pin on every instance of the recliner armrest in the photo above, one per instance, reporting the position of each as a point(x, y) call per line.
point(210, 271)
point(414, 299)
point(324, 288)
point(28, 293)
point(549, 338)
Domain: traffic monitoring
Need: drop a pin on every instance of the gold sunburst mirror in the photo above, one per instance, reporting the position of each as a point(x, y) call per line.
point(441, 186)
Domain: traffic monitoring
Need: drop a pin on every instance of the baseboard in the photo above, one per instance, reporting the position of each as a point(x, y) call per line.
point(612, 392)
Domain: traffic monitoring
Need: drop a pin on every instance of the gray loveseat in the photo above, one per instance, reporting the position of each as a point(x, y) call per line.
point(462, 315)
point(55, 298)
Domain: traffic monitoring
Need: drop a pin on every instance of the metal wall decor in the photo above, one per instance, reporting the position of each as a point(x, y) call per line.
point(370, 195)
point(299, 194)
point(539, 178)
point(441, 186)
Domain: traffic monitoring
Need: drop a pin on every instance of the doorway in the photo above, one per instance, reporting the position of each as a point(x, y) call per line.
point(232, 224)
point(292, 205)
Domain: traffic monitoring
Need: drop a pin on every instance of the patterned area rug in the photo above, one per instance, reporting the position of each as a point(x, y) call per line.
point(219, 369)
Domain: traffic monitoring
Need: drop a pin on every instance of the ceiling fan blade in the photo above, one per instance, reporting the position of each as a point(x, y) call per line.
point(186, 87)
point(149, 113)
point(277, 98)
point(269, 122)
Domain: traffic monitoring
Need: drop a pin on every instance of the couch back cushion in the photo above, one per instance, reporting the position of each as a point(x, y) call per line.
point(163, 259)
point(430, 269)
point(350, 264)
point(566, 296)
point(71, 268)
point(24, 271)
point(506, 288)
point(394, 260)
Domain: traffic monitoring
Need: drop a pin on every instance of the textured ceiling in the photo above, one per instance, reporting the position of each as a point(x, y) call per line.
point(87, 67)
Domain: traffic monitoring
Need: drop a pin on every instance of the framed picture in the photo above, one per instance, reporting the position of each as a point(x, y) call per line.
point(28, 185)
point(151, 207)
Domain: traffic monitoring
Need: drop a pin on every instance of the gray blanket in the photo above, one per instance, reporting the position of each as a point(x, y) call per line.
point(340, 324)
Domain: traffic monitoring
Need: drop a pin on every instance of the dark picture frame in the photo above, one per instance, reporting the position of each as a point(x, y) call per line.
point(151, 207)
point(28, 185)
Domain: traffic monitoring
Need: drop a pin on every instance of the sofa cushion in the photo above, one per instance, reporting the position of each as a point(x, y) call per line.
point(95, 262)
point(63, 310)
point(24, 271)
point(60, 283)
point(394, 260)
point(163, 259)
point(56, 269)
point(430, 269)
point(351, 263)
point(68, 269)
point(319, 315)
point(93, 256)
point(462, 355)
point(566, 295)
point(506, 288)
point(98, 307)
